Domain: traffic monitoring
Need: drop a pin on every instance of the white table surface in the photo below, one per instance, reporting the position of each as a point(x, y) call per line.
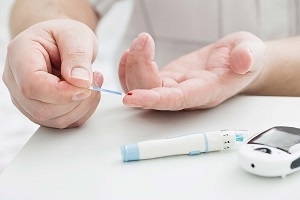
point(85, 163)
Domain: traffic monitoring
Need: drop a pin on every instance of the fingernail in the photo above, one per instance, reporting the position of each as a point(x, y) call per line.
point(81, 96)
point(80, 73)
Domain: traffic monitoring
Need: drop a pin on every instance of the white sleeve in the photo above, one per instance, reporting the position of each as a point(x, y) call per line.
point(102, 6)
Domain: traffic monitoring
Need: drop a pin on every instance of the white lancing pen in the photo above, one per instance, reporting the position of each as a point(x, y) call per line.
point(190, 144)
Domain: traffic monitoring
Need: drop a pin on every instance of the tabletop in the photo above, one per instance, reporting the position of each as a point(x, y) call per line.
point(86, 163)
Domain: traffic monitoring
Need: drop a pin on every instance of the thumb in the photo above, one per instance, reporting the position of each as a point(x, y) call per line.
point(247, 56)
point(78, 49)
point(241, 59)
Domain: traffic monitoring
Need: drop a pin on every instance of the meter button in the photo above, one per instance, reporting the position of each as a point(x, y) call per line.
point(264, 150)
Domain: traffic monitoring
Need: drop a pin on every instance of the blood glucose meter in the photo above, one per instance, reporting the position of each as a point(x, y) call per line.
point(272, 153)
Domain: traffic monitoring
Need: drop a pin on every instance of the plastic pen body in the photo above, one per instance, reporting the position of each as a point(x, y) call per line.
point(190, 144)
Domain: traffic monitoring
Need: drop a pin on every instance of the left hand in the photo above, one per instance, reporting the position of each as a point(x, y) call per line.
point(201, 79)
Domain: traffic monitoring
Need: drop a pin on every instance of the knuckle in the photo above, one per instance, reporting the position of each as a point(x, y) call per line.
point(79, 55)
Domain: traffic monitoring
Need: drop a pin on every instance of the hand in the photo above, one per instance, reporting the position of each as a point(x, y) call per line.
point(200, 79)
point(47, 71)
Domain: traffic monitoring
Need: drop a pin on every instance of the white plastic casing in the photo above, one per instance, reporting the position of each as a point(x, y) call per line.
point(268, 161)
point(190, 144)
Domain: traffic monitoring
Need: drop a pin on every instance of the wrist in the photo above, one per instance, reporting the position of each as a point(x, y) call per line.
point(260, 77)
point(24, 14)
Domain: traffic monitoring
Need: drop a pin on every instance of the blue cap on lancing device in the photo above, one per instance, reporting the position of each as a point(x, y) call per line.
point(130, 152)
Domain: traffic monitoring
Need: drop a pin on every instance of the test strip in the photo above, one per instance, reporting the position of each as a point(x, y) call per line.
point(95, 88)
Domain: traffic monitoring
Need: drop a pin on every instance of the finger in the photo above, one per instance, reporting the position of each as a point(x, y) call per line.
point(78, 52)
point(60, 116)
point(241, 59)
point(80, 114)
point(88, 114)
point(141, 70)
point(248, 54)
point(122, 70)
point(37, 111)
point(172, 99)
point(39, 88)
point(194, 93)
point(83, 111)
point(29, 65)
point(97, 79)
point(157, 99)
point(41, 113)
point(89, 106)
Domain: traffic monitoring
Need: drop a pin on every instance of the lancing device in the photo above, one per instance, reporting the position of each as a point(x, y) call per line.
point(190, 144)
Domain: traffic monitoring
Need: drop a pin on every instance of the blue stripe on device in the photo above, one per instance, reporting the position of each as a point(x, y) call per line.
point(130, 152)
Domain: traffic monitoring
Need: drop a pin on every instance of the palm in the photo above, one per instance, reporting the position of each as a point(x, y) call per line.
point(201, 79)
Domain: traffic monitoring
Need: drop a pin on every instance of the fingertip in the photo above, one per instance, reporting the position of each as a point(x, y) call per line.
point(97, 79)
point(140, 41)
point(140, 98)
point(241, 59)
point(85, 92)
point(132, 101)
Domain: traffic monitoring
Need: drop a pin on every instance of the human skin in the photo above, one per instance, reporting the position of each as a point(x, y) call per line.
point(239, 63)
point(46, 48)
point(49, 64)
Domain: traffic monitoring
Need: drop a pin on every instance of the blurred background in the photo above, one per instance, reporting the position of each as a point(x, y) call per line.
point(15, 128)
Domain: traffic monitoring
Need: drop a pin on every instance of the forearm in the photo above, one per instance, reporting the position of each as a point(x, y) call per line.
point(281, 71)
point(25, 13)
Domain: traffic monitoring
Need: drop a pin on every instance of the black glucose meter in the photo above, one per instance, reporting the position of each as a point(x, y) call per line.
point(273, 152)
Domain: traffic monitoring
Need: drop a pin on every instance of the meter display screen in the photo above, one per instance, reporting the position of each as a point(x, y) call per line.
point(280, 137)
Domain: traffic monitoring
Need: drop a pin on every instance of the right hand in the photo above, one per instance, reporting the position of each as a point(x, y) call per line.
point(48, 68)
